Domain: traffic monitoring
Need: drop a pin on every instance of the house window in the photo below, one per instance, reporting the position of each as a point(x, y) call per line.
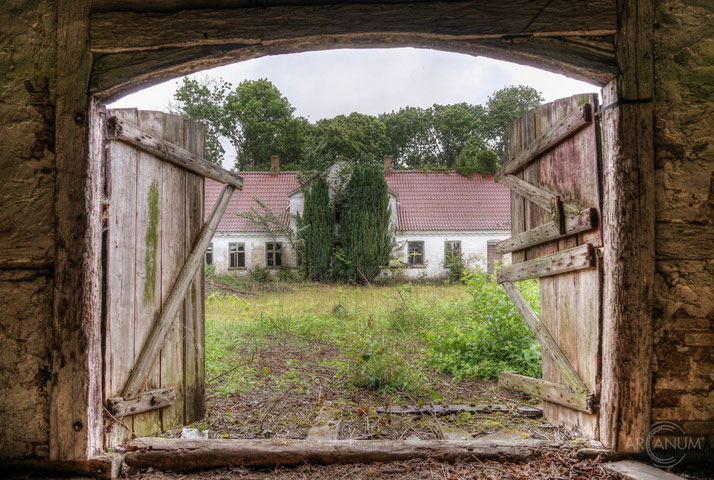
point(492, 256)
point(415, 254)
point(236, 254)
point(452, 248)
point(274, 254)
point(209, 255)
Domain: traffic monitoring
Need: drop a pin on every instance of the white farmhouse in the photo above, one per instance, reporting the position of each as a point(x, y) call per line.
point(433, 213)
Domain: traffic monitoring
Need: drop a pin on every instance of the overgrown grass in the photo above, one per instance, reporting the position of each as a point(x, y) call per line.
point(386, 339)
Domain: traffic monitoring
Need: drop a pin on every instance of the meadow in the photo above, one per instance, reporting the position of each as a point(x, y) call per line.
point(276, 352)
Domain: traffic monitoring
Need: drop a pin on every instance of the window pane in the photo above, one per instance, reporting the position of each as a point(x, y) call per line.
point(415, 251)
point(278, 259)
point(241, 259)
point(269, 259)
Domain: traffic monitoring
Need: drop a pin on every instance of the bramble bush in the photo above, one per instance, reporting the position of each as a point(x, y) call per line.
point(492, 338)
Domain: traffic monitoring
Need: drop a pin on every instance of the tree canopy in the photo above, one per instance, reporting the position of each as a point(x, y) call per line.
point(259, 121)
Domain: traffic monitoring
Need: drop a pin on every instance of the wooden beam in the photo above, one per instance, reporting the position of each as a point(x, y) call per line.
point(530, 192)
point(153, 400)
point(565, 261)
point(549, 345)
point(174, 301)
point(629, 233)
point(113, 32)
point(184, 455)
point(549, 391)
point(127, 132)
point(565, 128)
point(583, 221)
point(117, 74)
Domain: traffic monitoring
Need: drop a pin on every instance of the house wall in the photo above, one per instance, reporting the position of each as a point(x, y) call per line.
point(474, 246)
point(254, 252)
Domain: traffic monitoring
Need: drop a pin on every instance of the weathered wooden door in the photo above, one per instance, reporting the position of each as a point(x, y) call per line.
point(555, 179)
point(155, 236)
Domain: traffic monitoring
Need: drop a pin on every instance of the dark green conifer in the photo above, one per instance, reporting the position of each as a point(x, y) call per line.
point(317, 230)
point(364, 229)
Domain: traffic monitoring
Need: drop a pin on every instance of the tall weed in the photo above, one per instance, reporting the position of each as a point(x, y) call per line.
point(493, 338)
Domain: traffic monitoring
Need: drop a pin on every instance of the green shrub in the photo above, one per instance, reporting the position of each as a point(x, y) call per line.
point(454, 262)
point(375, 362)
point(259, 274)
point(209, 270)
point(286, 275)
point(495, 338)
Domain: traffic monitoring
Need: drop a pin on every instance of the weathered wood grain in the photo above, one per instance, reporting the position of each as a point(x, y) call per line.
point(152, 346)
point(103, 465)
point(629, 232)
point(120, 271)
point(129, 31)
point(585, 220)
point(75, 371)
point(550, 139)
point(153, 400)
point(173, 255)
point(550, 391)
point(530, 192)
point(183, 455)
point(548, 344)
point(117, 74)
point(147, 243)
point(556, 263)
point(193, 326)
point(576, 331)
point(160, 148)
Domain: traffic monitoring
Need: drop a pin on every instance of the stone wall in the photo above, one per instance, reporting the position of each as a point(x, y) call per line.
point(27, 163)
point(684, 175)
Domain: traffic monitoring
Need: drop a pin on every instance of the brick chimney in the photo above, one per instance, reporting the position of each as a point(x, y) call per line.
point(387, 164)
point(274, 165)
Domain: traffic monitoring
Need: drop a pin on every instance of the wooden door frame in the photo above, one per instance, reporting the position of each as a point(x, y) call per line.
point(628, 211)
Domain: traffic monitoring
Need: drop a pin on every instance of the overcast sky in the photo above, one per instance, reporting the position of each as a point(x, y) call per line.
point(328, 83)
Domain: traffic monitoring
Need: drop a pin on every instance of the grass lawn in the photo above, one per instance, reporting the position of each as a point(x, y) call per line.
point(275, 356)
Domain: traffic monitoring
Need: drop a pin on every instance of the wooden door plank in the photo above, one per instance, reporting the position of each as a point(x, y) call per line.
point(120, 273)
point(533, 194)
point(155, 145)
point(584, 220)
point(148, 263)
point(194, 351)
point(559, 132)
point(173, 255)
point(549, 391)
point(566, 261)
point(152, 346)
point(549, 346)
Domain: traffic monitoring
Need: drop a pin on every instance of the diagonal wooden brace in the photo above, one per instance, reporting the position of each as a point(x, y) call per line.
point(162, 325)
point(549, 345)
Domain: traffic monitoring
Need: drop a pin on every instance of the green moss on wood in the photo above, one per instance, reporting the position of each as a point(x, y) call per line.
point(151, 243)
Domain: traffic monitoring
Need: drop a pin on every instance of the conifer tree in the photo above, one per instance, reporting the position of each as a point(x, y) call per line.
point(317, 230)
point(364, 228)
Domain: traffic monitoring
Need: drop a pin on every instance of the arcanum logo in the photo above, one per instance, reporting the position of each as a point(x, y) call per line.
point(667, 444)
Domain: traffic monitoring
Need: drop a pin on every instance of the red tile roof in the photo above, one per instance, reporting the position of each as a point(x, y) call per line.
point(272, 190)
point(449, 201)
point(430, 201)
